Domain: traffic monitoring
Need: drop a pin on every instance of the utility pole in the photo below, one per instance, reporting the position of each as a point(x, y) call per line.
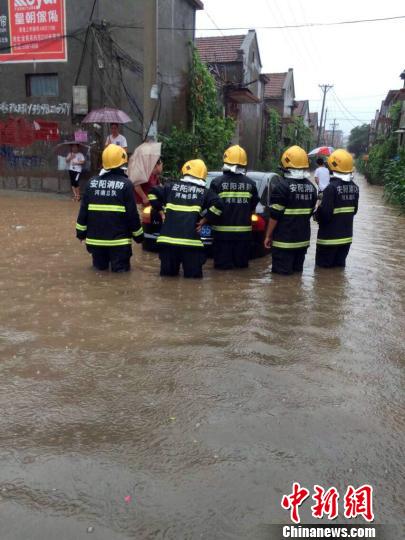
point(324, 128)
point(150, 55)
point(325, 89)
point(333, 126)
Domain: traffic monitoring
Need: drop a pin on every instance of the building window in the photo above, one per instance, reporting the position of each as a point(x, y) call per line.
point(42, 85)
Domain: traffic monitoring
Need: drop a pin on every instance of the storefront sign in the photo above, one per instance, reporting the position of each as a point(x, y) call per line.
point(32, 31)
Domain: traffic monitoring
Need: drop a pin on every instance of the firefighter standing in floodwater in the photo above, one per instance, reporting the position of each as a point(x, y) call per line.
point(232, 234)
point(184, 203)
point(292, 202)
point(336, 212)
point(108, 219)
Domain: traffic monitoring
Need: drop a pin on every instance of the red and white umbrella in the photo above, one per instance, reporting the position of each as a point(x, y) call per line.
point(107, 115)
point(321, 151)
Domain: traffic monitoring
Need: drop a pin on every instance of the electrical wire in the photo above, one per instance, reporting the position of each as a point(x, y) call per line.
point(72, 35)
point(84, 49)
point(344, 107)
point(213, 22)
point(284, 27)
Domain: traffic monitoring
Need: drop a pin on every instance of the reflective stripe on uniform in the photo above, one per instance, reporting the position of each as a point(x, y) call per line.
point(344, 210)
point(152, 197)
point(108, 243)
point(138, 232)
point(106, 208)
point(215, 210)
point(297, 211)
point(230, 228)
point(182, 208)
point(279, 207)
point(179, 241)
point(240, 194)
point(81, 227)
point(334, 241)
point(291, 245)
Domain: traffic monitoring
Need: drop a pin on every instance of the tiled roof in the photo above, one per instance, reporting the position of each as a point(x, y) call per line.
point(217, 49)
point(300, 107)
point(274, 87)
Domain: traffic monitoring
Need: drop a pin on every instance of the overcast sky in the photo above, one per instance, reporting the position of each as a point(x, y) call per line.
point(363, 61)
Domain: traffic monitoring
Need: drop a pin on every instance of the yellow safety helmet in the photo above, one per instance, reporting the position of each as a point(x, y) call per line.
point(195, 168)
point(341, 161)
point(235, 155)
point(114, 157)
point(295, 157)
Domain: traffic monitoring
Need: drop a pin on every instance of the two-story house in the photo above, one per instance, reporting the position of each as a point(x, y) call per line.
point(235, 63)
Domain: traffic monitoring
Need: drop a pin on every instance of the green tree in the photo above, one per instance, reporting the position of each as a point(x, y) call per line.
point(272, 144)
point(210, 132)
point(383, 151)
point(298, 133)
point(358, 139)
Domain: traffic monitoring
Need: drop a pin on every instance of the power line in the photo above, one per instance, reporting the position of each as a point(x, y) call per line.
point(344, 107)
point(213, 22)
point(56, 37)
point(284, 27)
point(84, 48)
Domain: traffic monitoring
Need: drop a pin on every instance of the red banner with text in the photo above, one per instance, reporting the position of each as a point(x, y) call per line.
point(32, 31)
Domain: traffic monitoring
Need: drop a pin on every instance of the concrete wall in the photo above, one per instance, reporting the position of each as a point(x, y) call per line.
point(33, 166)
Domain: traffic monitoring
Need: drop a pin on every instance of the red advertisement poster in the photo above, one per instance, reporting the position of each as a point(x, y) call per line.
point(32, 31)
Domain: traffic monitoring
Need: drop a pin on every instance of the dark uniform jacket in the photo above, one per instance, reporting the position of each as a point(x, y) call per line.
point(292, 202)
point(239, 196)
point(184, 203)
point(336, 212)
point(108, 216)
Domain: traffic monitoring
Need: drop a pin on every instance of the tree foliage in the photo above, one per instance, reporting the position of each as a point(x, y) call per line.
point(272, 147)
point(394, 180)
point(384, 150)
point(298, 133)
point(358, 139)
point(210, 132)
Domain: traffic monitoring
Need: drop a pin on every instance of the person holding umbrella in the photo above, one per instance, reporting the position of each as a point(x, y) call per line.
point(115, 137)
point(144, 169)
point(75, 160)
point(114, 117)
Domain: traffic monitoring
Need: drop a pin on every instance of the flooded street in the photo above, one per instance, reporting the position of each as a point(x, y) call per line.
point(151, 408)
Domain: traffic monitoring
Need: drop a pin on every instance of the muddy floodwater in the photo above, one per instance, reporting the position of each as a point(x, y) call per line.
point(138, 407)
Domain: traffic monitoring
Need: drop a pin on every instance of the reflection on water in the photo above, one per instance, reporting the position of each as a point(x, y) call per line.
point(202, 401)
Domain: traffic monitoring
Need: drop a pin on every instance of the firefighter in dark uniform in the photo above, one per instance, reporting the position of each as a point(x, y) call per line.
point(186, 203)
point(232, 234)
point(336, 212)
point(292, 202)
point(108, 219)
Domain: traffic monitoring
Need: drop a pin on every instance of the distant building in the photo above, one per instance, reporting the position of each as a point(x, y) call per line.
point(235, 63)
point(279, 95)
point(382, 123)
point(333, 138)
point(53, 80)
point(302, 110)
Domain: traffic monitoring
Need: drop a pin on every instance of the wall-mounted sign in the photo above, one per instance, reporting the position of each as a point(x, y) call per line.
point(32, 31)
